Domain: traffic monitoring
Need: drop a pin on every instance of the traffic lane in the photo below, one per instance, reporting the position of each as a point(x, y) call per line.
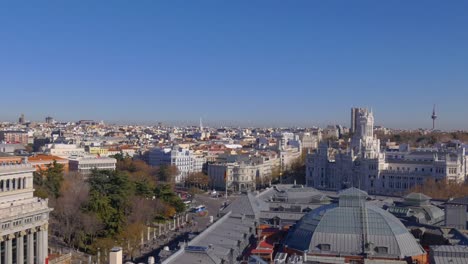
point(202, 220)
point(212, 205)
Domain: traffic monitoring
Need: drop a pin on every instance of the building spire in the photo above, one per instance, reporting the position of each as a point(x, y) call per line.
point(201, 125)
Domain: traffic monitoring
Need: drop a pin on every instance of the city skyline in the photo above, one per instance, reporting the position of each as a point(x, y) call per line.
point(223, 123)
point(264, 63)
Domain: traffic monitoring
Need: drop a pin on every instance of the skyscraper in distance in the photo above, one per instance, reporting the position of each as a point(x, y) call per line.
point(21, 119)
point(354, 117)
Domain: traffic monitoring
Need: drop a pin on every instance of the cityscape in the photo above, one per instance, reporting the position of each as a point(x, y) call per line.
point(222, 132)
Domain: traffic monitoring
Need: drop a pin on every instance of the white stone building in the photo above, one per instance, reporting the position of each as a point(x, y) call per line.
point(23, 217)
point(242, 175)
point(366, 166)
point(64, 150)
point(331, 131)
point(86, 164)
point(310, 140)
point(184, 159)
point(288, 157)
point(289, 149)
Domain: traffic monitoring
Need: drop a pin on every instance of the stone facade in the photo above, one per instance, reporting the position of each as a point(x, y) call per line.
point(184, 159)
point(85, 165)
point(369, 167)
point(23, 217)
point(242, 175)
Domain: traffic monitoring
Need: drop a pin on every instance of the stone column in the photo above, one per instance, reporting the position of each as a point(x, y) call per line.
point(45, 242)
point(9, 249)
point(1, 242)
point(31, 247)
point(149, 233)
point(40, 256)
point(4, 241)
point(159, 227)
point(20, 247)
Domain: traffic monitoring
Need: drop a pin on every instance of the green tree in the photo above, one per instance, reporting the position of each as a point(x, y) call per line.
point(54, 178)
point(118, 157)
point(163, 192)
point(166, 194)
point(48, 182)
point(109, 198)
point(144, 188)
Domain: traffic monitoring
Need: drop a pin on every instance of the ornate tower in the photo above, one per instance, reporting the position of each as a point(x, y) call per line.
point(363, 142)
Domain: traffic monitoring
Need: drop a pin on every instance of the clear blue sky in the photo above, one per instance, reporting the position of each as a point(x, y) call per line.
point(266, 62)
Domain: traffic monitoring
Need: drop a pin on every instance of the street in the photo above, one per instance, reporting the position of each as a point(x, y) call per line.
point(198, 223)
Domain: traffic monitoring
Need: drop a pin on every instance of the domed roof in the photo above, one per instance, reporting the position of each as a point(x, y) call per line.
point(417, 199)
point(353, 227)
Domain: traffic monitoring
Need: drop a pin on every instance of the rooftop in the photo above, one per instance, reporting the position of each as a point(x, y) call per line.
point(353, 227)
point(247, 205)
point(449, 254)
point(44, 158)
point(217, 242)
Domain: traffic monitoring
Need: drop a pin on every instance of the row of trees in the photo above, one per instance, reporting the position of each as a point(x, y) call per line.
point(421, 139)
point(197, 180)
point(442, 189)
point(109, 207)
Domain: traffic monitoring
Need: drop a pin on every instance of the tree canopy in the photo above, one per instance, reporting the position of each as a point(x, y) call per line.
point(49, 181)
point(108, 205)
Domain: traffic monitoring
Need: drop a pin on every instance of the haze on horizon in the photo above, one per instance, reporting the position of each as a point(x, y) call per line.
point(269, 63)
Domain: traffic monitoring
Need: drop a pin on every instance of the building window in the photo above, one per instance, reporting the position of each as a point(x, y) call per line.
point(324, 247)
point(381, 250)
